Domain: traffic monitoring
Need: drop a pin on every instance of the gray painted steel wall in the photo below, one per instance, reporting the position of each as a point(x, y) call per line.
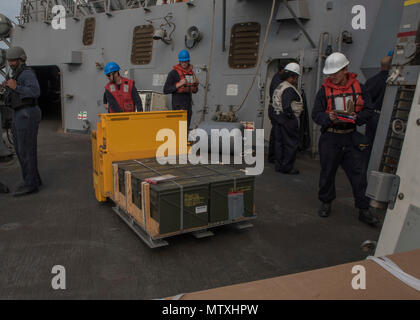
point(113, 37)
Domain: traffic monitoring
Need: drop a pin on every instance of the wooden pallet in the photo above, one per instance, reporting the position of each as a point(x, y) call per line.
point(141, 218)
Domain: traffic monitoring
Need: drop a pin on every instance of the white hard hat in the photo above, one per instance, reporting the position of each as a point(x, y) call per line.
point(335, 62)
point(293, 67)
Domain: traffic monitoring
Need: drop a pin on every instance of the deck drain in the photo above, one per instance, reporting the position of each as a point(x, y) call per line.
point(9, 226)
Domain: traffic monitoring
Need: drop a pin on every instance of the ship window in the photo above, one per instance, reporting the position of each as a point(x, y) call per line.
point(141, 51)
point(244, 45)
point(89, 31)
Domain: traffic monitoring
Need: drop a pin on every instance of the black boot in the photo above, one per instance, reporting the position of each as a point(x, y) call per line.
point(325, 210)
point(3, 188)
point(367, 217)
point(23, 191)
point(293, 171)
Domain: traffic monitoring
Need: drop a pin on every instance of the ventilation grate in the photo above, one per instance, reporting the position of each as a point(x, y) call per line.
point(89, 31)
point(142, 47)
point(244, 45)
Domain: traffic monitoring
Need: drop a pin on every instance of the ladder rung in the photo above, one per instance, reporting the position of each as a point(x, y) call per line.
point(386, 155)
point(392, 147)
point(396, 138)
point(407, 90)
point(389, 165)
point(404, 100)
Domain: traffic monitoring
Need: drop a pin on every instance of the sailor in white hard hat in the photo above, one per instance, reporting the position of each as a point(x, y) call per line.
point(341, 104)
point(287, 105)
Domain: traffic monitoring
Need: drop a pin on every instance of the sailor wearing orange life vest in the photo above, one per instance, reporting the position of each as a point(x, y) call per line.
point(120, 93)
point(182, 83)
point(339, 143)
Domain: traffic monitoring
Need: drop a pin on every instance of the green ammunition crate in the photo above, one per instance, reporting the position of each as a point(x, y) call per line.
point(208, 192)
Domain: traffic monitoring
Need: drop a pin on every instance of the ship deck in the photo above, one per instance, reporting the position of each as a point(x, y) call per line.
point(64, 225)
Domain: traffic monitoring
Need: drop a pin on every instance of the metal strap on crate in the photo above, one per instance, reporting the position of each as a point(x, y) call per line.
point(182, 204)
point(125, 191)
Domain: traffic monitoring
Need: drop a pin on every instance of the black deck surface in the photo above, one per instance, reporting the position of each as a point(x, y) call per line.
point(64, 225)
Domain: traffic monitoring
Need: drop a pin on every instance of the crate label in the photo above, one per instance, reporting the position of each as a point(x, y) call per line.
point(155, 180)
point(192, 199)
point(201, 209)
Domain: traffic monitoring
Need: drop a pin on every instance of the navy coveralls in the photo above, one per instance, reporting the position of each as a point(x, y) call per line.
point(286, 133)
point(180, 101)
point(376, 87)
point(25, 129)
point(337, 149)
point(113, 105)
point(271, 144)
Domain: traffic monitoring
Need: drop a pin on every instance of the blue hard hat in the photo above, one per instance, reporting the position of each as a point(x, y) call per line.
point(184, 55)
point(111, 67)
point(390, 53)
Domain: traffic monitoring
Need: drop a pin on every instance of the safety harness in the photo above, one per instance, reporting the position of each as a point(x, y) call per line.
point(122, 95)
point(13, 99)
point(338, 97)
point(297, 106)
point(192, 83)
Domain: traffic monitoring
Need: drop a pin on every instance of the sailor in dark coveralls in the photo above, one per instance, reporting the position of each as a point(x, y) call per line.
point(339, 143)
point(287, 107)
point(22, 93)
point(182, 83)
point(271, 144)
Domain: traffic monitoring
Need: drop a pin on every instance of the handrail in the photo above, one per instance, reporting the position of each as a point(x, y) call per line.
point(32, 10)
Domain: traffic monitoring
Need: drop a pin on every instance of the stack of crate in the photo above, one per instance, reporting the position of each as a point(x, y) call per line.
point(171, 199)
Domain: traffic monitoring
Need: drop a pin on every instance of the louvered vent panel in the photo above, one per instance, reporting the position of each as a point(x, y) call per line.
point(244, 45)
point(142, 48)
point(89, 31)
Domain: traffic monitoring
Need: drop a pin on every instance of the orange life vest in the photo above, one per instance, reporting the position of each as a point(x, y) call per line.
point(338, 96)
point(122, 95)
point(192, 85)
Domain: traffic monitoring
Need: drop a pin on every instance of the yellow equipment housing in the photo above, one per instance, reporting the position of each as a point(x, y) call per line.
point(128, 136)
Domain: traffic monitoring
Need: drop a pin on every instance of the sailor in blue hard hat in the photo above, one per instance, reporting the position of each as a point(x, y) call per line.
point(182, 83)
point(121, 94)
